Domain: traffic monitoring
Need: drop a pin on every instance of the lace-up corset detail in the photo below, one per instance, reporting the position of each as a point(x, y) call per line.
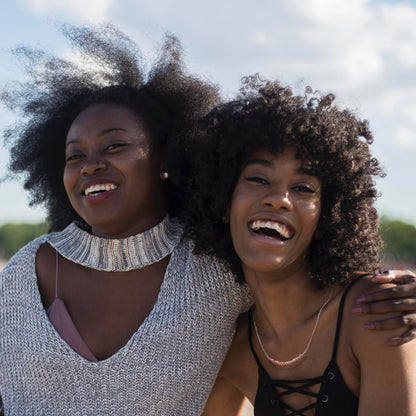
point(334, 396)
point(287, 387)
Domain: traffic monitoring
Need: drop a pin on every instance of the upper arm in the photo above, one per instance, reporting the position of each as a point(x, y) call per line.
point(225, 399)
point(387, 374)
point(388, 381)
point(237, 378)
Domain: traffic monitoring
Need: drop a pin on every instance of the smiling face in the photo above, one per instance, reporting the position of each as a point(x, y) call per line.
point(111, 177)
point(274, 213)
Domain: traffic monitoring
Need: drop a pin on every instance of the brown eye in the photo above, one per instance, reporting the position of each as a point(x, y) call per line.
point(304, 188)
point(114, 146)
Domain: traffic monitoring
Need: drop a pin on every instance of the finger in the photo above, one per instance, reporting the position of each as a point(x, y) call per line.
point(400, 277)
point(393, 292)
point(392, 323)
point(410, 335)
point(385, 306)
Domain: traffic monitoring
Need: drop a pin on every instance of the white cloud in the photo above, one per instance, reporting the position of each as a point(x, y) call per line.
point(363, 50)
point(92, 10)
point(333, 12)
point(260, 37)
point(405, 137)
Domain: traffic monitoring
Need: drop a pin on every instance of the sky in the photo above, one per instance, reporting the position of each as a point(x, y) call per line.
point(364, 51)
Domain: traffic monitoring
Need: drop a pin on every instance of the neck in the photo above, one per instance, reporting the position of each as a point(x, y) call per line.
point(283, 303)
point(110, 254)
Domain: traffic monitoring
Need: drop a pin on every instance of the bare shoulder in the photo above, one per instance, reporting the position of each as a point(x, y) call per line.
point(44, 255)
point(240, 367)
point(370, 347)
point(238, 350)
point(45, 273)
point(386, 374)
point(362, 287)
point(354, 322)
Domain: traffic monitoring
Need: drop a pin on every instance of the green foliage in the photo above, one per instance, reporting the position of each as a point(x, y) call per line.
point(399, 240)
point(15, 236)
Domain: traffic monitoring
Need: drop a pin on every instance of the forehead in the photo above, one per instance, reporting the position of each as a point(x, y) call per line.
point(269, 159)
point(102, 116)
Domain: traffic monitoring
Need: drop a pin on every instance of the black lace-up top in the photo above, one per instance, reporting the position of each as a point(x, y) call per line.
point(334, 397)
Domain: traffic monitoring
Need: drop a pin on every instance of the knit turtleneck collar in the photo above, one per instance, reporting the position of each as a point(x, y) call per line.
point(123, 254)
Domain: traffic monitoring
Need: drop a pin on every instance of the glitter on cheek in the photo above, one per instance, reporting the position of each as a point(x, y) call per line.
point(142, 153)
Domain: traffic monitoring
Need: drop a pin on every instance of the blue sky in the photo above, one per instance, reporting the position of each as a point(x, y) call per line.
point(362, 50)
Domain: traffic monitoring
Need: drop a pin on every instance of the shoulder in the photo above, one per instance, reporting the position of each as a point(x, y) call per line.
point(211, 274)
point(240, 367)
point(25, 256)
point(367, 342)
point(382, 371)
point(21, 268)
point(361, 286)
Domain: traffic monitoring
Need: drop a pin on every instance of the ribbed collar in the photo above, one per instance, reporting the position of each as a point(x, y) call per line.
point(123, 254)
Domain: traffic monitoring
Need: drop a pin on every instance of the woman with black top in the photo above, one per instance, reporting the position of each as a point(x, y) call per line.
point(294, 182)
point(111, 313)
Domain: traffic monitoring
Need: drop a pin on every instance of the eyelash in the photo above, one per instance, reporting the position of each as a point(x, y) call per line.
point(72, 157)
point(304, 188)
point(115, 146)
point(262, 181)
point(257, 179)
point(108, 148)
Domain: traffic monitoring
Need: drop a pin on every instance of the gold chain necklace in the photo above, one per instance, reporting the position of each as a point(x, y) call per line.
point(303, 354)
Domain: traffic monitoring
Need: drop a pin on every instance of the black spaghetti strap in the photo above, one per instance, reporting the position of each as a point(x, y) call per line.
point(56, 275)
point(250, 319)
point(340, 313)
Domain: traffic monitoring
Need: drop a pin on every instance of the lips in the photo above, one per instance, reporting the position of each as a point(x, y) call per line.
point(272, 229)
point(94, 192)
point(98, 188)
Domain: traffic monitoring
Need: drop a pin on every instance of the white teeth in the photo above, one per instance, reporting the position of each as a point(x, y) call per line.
point(99, 188)
point(280, 228)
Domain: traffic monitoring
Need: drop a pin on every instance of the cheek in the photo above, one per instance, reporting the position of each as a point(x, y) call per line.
point(67, 180)
point(312, 211)
point(142, 152)
point(238, 215)
point(236, 211)
point(312, 207)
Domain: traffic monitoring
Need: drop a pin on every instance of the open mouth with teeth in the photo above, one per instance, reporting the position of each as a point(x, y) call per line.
point(99, 188)
point(271, 229)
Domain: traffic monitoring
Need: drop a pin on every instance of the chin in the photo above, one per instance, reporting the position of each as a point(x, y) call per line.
point(263, 266)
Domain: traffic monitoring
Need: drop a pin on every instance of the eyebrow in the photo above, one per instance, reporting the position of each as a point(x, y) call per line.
point(269, 164)
point(101, 133)
point(258, 161)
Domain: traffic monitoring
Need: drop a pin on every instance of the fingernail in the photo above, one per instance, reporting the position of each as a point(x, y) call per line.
point(357, 309)
point(361, 299)
point(369, 325)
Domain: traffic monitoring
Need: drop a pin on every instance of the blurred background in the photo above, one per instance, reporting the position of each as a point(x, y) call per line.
point(362, 50)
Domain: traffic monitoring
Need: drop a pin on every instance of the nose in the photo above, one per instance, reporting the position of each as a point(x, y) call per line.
point(278, 199)
point(92, 166)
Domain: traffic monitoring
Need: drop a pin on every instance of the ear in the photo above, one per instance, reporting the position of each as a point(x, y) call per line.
point(226, 217)
point(318, 232)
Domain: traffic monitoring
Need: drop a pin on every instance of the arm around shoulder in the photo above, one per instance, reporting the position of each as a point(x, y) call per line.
point(387, 374)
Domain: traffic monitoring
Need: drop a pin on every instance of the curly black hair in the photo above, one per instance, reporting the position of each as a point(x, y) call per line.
point(268, 116)
point(110, 69)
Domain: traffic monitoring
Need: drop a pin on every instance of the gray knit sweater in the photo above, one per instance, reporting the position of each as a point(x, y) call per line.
point(167, 368)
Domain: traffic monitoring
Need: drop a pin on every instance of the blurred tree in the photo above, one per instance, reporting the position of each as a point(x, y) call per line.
point(15, 236)
point(399, 240)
